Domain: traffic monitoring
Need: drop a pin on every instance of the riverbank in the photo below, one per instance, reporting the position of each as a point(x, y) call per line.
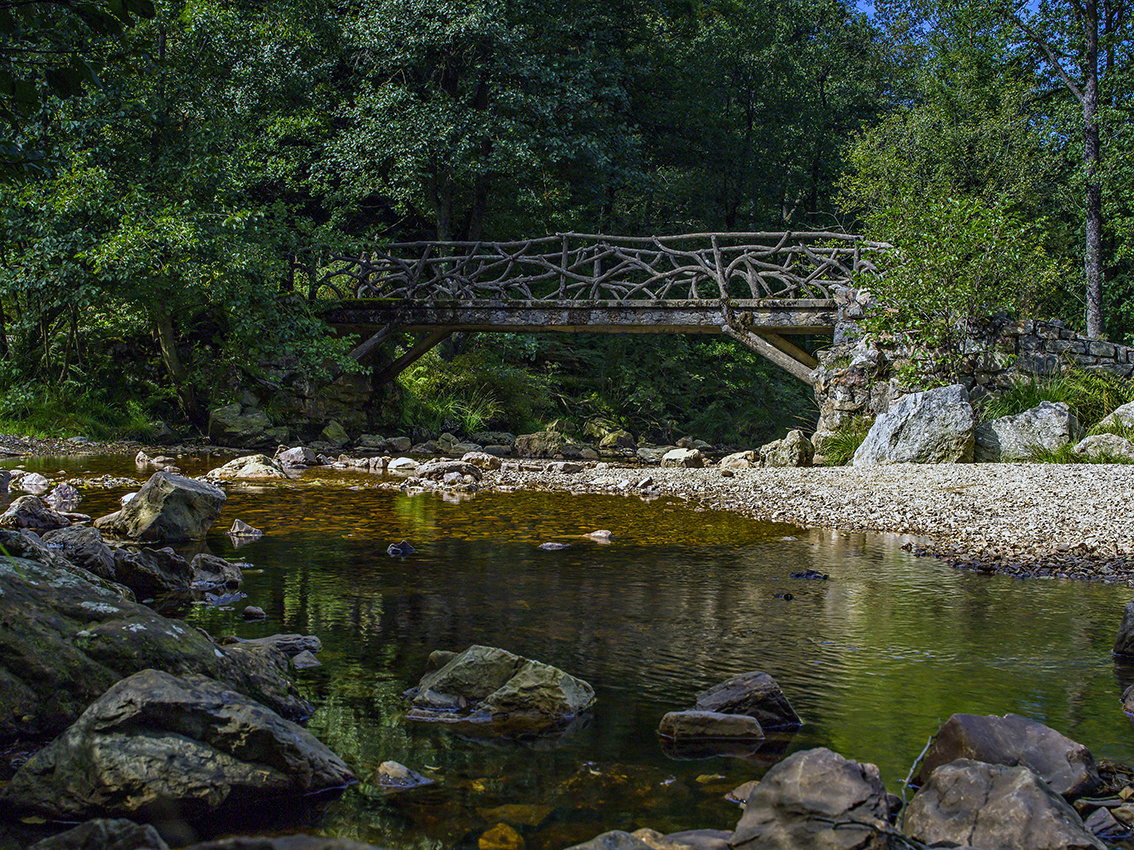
point(1028, 520)
point(1037, 520)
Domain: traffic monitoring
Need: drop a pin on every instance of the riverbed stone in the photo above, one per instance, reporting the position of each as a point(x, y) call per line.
point(755, 694)
point(740, 460)
point(392, 776)
point(800, 800)
point(214, 572)
point(1068, 767)
point(155, 741)
point(105, 834)
point(482, 460)
point(241, 428)
point(298, 456)
point(616, 839)
point(33, 483)
point(1049, 426)
point(403, 465)
point(1120, 417)
point(63, 498)
point(68, 639)
point(700, 725)
point(84, 547)
point(247, 467)
point(1124, 642)
point(1105, 446)
point(793, 450)
point(683, 458)
point(32, 513)
point(438, 469)
point(169, 508)
point(499, 691)
point(934, 426)
point(968, 802)
point(282, 842)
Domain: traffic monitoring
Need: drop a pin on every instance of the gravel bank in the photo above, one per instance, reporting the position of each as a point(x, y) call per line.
point(1071, 521)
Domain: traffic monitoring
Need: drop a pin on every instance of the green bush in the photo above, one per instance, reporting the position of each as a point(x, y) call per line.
point(1091, 394)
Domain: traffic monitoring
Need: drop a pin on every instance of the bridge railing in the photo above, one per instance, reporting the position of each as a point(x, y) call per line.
point(591, 267)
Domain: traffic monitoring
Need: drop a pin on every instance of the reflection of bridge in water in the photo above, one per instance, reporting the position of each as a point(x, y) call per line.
point(756, 287)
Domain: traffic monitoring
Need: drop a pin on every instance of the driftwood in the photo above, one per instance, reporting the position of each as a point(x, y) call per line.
point(590, 267)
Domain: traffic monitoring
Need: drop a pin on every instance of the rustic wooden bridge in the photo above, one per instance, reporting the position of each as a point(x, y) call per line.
point(756, 287)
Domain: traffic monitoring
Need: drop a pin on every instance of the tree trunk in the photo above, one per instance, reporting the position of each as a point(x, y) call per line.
point(1092, 260)
point(163, 326)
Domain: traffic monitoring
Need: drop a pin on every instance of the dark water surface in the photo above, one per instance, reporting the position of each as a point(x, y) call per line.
point(873, 659)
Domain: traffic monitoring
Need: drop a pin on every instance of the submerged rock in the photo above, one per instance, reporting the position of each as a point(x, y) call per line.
point(248, 467)
point(392, 776)
point(169, 508)
point(1068, 767)
point(755, 694)
point(493, 691)
point(155, 741)
point(102, 834)
point(700, 725)
point(968, 802)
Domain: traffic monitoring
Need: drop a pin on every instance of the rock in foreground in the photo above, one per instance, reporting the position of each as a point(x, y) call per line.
point(169, 508)
point(983, 805)
point(155, 740)
point(1067, 766)
point(493, 691)
point(816, 799)
point(935, 426)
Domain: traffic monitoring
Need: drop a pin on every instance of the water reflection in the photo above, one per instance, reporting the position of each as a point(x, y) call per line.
point(873, 659)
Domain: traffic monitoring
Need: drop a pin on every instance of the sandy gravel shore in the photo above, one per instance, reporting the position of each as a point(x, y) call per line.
point(1028, 519)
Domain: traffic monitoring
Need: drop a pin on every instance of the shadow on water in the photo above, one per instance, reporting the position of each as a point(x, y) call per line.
point(873, 659)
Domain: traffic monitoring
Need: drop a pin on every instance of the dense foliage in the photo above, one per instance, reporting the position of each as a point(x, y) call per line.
point(165, 164)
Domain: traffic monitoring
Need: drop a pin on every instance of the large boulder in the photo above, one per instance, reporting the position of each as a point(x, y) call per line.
point(298, 456)
point(1068, 767)
point(546, 444)
point(740, 460)
point(493, 691)
point(1050, 425)
point(84, 547)
point(169, 508)
point(243, 428)
point(32, 513)
point(152, 572)
point(67, 639)
point(816, 799)
point(155, 741)
point(973, 803)
point(755, 694)
point(249, 466)
point(935, 426)
point(1121, 417)
point(793, 450)
point(683, 458)
point(683, 726)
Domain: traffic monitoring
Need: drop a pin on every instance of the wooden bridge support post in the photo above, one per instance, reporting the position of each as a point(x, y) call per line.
point(406, 360)
point(781, 358)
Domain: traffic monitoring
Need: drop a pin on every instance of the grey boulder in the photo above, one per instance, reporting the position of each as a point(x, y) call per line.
point(155, 741)
point(1068, 767)
point(103, 834)
point(169, 508)
point(702, 725)
point(816, 799)
point(935, 426)
point(1049, 426)
point(84, 547)
point(755, 694)
point(793, 450)
point(32, 513)
point(249, 466)
point(1105, 447)
point(994, 806)
point(1124, 642)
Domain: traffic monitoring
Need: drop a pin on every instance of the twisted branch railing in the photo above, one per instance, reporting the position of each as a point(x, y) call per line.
point(587, 267)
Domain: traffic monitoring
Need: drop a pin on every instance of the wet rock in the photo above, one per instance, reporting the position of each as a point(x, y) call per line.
point(305, 661)
point(811, 575)
point(755, 694)
point(613, 840)
point(686, 725)
point(1068, 767)
point(286, 645)
point(68, 639)
point(63, 498)
point(243, 530)
point(32, 513)
point(402, 464)
point(211, 571)
point(153, 572)
point(251, 612)
point(935, 426)
point(84, 547)
point(33, 483)
point(249, 467)
point(500, 837)
point(299, 456)
point(5, 480)
point(282, 842)
point(497, 690)
point(1124, 643)
point(602, 535)
point(169, 508)
point(102, 834)
point(155, 740)
point(482, 460)
point(984, 805)
point(1050, 425)
point(684, 458)
point(400, 549)
point(816, 799)
point(793, 450)
point(690, 839)
point(554, 547)
point(437, 470)
point(335, 434)
point(1105, 446)
point(391, 776)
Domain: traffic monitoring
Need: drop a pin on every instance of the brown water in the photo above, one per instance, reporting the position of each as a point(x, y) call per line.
point(874, 659)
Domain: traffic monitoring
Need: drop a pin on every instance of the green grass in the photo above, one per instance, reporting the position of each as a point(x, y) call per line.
point(45, 413)
point(840, 447)
point(1091, 395)
point(1066, 454)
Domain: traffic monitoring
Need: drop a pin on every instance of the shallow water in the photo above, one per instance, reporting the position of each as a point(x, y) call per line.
point(874, 659)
